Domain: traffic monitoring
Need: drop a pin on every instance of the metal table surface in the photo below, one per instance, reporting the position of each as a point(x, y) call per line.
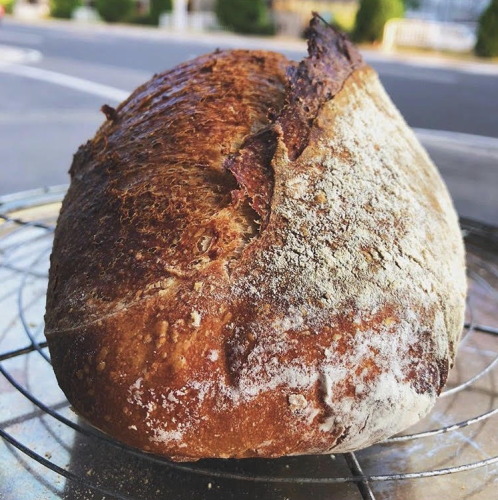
point(90, 466)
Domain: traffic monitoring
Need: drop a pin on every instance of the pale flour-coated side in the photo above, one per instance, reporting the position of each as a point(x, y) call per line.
point(369, 232)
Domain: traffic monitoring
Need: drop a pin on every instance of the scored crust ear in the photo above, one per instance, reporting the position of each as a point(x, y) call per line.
point(332, 58)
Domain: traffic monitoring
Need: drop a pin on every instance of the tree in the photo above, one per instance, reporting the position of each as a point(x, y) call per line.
point(113, 11)
point(244, 16)
point(487, 37)
point(63, 8)
point(8, 5)
point(157, 7)
point(412, 4)
point(372, 16)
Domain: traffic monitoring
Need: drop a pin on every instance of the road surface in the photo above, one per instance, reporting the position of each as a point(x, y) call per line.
point(50, 102)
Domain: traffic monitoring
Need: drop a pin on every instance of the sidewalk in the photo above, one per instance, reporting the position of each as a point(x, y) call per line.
point(224, 39)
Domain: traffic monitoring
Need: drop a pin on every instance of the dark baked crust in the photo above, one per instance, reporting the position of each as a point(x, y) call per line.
point(149, 193)
point(234, 275)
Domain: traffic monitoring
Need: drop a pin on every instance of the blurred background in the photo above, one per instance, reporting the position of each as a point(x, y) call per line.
point(60, 60)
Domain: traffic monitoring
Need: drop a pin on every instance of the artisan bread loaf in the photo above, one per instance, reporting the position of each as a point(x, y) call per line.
point(255, 258)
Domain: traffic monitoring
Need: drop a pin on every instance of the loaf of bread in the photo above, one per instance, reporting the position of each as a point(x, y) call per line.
point(255, 258)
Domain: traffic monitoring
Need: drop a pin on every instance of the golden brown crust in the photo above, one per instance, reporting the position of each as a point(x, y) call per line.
point(148, 226)
point(179, 328)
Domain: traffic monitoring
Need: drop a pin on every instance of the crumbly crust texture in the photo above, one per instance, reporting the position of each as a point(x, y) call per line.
point(197, 308)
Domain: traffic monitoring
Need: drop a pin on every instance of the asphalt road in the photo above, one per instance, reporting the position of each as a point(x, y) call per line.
point(44, 115)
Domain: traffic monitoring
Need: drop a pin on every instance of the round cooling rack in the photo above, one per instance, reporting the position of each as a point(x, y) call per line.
point(48, 453)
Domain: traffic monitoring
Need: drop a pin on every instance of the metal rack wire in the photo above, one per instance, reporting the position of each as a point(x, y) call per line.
point(26, 225)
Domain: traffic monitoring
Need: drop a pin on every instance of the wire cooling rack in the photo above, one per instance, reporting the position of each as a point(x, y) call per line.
point(48, 452)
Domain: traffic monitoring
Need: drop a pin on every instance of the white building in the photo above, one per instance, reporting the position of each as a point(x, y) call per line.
point(460, 11)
